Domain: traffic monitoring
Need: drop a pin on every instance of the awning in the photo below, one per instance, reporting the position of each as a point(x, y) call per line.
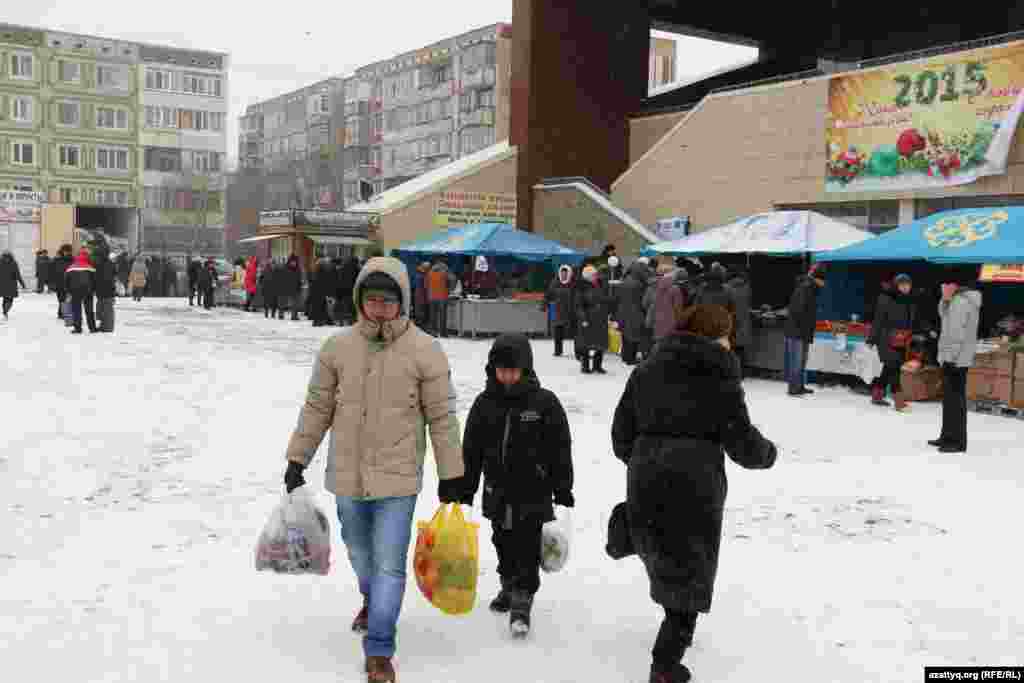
point(260, 238)
point(340, 239)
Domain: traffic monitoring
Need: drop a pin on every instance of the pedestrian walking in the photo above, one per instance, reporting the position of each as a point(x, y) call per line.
point(195, 268)
point(680, 410)
point(124, 272)
point(106, 288)
point(80, 281)
point(208, 280)
point(345, 310)
point(439, 284)
point(289, 288)
point(375, 457)
point(137, 278)
point(59, 266)
point(265, 286)
point(561, 293)
point(517, 436)
point(630, 314)
point(251, 276)
point(668, 294)
point(10, 279)
point(891, 332)
point(743, 298)
point(592, 309)
point(323, 283)
point(421, 302)
point(960, 312)
point(42, 270)
point(799, 329)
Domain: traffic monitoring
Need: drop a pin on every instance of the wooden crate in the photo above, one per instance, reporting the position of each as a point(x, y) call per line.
point(999, 362)
point(923, 385)
point(985, 384)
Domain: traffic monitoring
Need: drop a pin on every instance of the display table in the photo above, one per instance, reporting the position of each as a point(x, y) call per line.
point(496, 316)
point(856, 358)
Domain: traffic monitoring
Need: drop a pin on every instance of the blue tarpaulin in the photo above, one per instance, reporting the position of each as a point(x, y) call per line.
point(964, 236)
point(493, 240)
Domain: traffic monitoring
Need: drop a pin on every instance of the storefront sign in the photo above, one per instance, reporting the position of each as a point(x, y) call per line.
point(464, 208)
point(316, 218)
point(924, 125)
point(1013, 274)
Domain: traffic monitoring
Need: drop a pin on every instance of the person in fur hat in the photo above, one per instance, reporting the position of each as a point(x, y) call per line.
point(592, 310)
point(562, 293)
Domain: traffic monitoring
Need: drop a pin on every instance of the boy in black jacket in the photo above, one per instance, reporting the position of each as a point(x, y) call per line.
point(518, 436)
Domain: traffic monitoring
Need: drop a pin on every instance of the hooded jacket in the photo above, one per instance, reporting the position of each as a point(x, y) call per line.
point(668, 295)
point(894, 311)
point(960, 318)
point(10, 276)
point(629, 307)
point(106, 276)
point(679, 412)
point(251, 274)
point(379, 389)
point(519, 439)
point(592, 311)
point(80, 278)
point(562, 293)
point(42, 267)
point(58, 267)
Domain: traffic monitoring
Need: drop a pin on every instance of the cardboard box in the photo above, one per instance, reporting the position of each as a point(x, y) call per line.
point(985, 384)
point(923, 385)
point(1018, 394)
point(1001, 362)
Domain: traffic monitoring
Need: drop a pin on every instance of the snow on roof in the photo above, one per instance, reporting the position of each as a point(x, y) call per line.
point(416, 188)
point(605, 203)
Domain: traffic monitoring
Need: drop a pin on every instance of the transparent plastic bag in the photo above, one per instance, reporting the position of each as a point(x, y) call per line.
point(555, 541)
point(447, 560)
point(297, 537)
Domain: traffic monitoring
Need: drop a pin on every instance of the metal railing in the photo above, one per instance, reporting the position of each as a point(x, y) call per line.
point(567, 180)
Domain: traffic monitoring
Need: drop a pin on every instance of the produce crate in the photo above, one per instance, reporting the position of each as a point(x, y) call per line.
point(984, 384)
point(922, 385)
point(999, 362)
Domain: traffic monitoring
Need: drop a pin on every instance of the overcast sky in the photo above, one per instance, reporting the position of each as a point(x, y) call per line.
point(276, 47)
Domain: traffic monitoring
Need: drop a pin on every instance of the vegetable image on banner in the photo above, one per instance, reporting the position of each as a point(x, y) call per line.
point(928, 124)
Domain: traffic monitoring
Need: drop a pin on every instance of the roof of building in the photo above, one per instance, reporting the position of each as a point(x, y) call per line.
point(412, 190)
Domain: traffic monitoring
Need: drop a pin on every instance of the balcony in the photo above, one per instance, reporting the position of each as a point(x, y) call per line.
point(479, 78)
point(479, 117)
point(441, 127)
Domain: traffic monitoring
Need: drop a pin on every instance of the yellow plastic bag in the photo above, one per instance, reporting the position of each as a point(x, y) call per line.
point(447, 560)
point(614, 340)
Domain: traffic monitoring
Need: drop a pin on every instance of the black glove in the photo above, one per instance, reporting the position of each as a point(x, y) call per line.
point(565, 499)
point(450, 491)
point(293, 478)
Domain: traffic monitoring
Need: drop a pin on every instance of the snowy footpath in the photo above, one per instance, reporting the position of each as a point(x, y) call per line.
point(137, 468)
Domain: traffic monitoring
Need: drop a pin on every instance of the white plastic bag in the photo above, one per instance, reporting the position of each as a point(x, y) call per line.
point(555, 538)
point(297, 537)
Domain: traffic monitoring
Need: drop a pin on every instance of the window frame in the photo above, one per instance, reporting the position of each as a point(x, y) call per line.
point(113, 153)
point(15, 59)
point(67, 103)
point(61, 63)
point(123, 76)
point(17, 150)
point(30, 101)
point(116, 118)
point(63, 155)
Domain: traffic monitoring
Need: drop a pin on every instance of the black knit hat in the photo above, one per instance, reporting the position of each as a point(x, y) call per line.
point(381, 282)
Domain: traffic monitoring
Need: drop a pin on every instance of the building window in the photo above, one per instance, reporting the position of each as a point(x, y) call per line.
point(70, 156)
point(67, 195)
point(163, 159)
point(158, 79)
point(23, 153)
point(69, 113)
point(112, 197)
point(325, 104)
point(111, 77)
point(21, 109)
point(202, 85)
point(69, 72)
point(116, 119)
point(112, 159)
point(217, 121)
point(486, 98)
point(170, 117)
point(21, 66)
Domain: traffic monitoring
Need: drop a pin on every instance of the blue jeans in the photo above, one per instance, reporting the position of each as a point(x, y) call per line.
point(377, 534)
point(796, 363)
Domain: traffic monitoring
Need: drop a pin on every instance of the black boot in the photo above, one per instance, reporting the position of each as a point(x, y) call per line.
point(678, 674)
point(520, 606)
point(599, 364)
point(585, 365)
point(502, 603)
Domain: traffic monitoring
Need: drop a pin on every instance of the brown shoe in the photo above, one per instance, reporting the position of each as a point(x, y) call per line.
point(900, 400)
point(379, 670)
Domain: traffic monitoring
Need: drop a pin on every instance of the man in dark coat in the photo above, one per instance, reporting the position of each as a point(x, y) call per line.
point(265, 285)
point(10, 278)
point(346, 312)
point(562, 293)
point(42, 270)
point(58, 267)
point(106, 289)
point(891, 330)
point(323, 284)
point(592, 310)
point(517, 435)
point(207, 283)
point(194, 276)
point(742, 295)
point(680, 410)
point(124, 271)
point(799, 329)
point(629, 313)
point(289, 287)
point(713, 292)
point(80, 281)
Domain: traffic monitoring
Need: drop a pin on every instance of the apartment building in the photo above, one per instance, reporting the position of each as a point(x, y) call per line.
point(183, 145)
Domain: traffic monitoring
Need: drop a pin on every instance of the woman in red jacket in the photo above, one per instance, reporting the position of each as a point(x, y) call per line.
point(251, 280)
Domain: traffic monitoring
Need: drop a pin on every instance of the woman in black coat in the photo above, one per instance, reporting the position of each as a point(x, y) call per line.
point(680, 410)
point(592, 310)
point(562, 293)
point(894, 323)
point(630, 313)
point(10, 278)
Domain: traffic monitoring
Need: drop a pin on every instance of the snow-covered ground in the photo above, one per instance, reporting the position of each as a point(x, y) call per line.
point(136, 470)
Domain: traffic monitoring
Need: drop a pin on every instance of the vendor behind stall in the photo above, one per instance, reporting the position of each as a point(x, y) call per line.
point(484, 280)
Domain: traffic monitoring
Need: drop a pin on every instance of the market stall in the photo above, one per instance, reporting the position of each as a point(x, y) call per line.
point(966, 240)
point(774, 248)
point(524, 262)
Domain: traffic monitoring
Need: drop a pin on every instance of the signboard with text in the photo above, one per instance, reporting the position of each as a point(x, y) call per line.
point(464, 208)
point(928, 124)
point(1010, 273)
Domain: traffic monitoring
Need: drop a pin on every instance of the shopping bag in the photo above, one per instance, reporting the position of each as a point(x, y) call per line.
point(447, 560)
point(297, 537)
point(620, 539)
point(66, 313)
point(614, 339)
point(555, 538)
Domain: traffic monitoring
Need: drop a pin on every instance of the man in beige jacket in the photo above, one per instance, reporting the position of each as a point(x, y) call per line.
point(379, 386)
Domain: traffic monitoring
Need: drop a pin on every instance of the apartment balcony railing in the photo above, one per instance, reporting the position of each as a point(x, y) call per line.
point(479, 78)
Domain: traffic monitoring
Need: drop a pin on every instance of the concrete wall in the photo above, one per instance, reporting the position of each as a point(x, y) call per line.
point(417, 219)
point(568, 216)
point(646, 131)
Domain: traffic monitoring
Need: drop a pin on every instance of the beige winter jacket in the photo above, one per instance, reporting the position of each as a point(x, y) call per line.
point(378, 389)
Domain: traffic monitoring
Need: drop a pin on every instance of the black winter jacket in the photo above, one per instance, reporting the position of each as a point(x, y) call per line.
point(289, 281)
point(592, 311)
point(893, 312)
point(564, 299)
point(43, 268)
point(629, 303)
point(742, 294)
point(10, 276)
point(106, 277)
point(58, 267)
point(680, 410)
point(803, 311)
point(519, 439)
point(80, 280)
point(195, 269)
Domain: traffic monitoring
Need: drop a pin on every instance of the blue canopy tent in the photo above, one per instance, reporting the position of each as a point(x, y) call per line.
point(493, 240)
